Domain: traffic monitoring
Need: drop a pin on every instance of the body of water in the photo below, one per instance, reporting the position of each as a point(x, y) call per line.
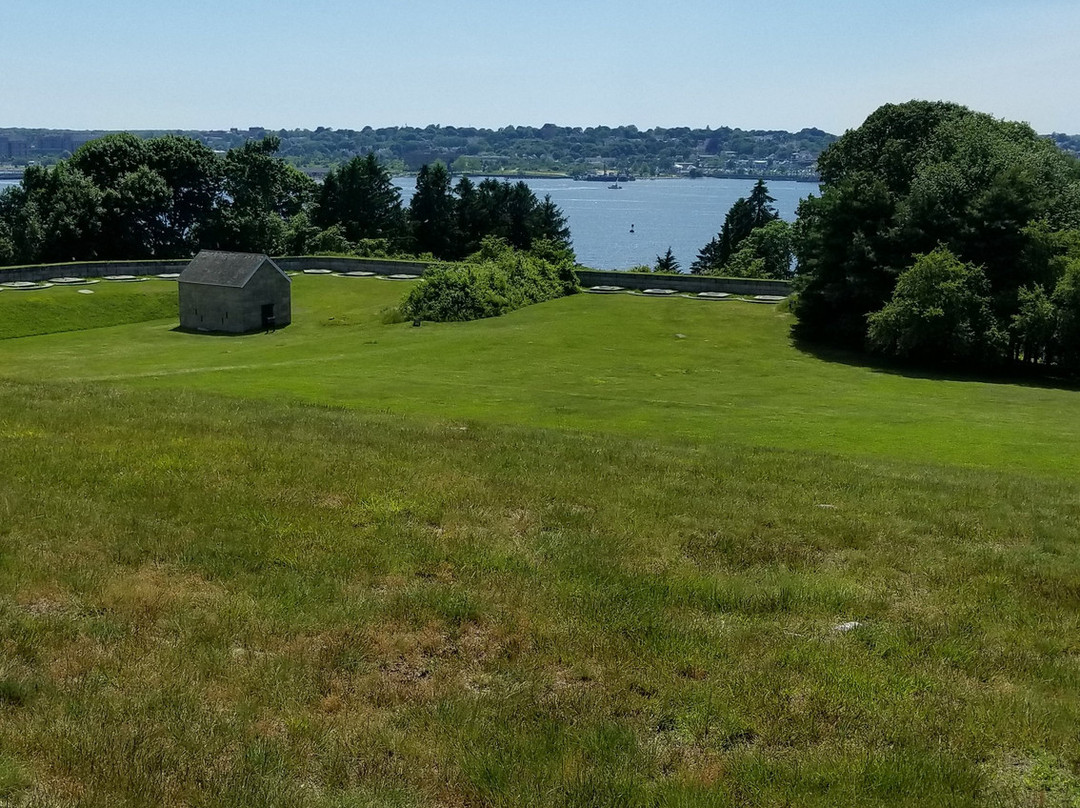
point(680, 214)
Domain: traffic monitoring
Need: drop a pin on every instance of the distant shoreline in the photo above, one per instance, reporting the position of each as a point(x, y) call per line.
point(534, 175)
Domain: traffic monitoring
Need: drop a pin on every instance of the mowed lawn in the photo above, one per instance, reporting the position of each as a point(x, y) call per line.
point(607, 551)
point(706, 370)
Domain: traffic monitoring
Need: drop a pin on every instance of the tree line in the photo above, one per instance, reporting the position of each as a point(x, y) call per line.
point(122, 197)
point(513, 148)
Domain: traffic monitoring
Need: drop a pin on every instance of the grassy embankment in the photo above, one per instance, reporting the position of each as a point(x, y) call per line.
point(577, 555)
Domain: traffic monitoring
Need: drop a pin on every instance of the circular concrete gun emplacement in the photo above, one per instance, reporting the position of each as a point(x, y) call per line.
point(659, 292)
point(401, 277)
point(605, 290)
point(357, 274)
point(713, 296)
point(768, 298)
point(122, 278)
point(24, 286)
point(318, 272)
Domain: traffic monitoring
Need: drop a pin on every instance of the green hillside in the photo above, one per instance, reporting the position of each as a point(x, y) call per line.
point(709, 371)
point(603, 551)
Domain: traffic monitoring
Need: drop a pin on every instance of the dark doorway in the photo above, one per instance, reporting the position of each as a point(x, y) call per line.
point(268, 319)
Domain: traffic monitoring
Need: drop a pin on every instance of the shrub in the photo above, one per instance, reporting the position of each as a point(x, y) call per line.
point(494, 281)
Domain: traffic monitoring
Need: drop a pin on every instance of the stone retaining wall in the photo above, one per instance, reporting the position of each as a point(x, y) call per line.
point(588, 277)
point(377, 265)
point(683, 283)
point(89, 269)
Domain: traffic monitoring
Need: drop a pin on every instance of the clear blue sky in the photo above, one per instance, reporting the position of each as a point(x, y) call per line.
point(785, 64)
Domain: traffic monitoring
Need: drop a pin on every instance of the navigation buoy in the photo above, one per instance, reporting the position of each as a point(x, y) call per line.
point(631, 228)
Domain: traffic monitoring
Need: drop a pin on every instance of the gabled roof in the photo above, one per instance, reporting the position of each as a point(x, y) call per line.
point(214, 268)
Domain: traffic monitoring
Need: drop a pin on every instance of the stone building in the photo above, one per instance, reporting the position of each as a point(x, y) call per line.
point(234, 293)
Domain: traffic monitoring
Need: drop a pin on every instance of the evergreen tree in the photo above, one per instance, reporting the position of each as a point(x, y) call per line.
point(708, 259)
point(520, 210)
point(432, 214)
point(470, 220)
point(362, 199)
point(745, 216)
point(550, 224)
point(761, 210)
point(738, 223)
point(667, 263)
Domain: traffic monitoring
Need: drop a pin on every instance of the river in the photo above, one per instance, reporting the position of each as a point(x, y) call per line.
point(680, 214)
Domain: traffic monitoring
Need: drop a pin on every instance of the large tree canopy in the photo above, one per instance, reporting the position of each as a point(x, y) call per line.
point(921, 175)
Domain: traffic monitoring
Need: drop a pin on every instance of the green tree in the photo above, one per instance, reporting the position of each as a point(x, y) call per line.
point(738, 223)
point(155, 193)
point(708, 259)
point(57, 215)
point(362, 199)
point(742, 219)
point(8, 254)
point(939, 313)
point(136, 217)
point(261, 192)
point(193, 175)
point(1033, 326)
point(766, 253)
point(761, 209)
point(431, 212)
point(1066, 300)
point(549, 224)
point(469, 224)
point(666, 263)
point(917, 175)
point(106, 159)
point(521, 207)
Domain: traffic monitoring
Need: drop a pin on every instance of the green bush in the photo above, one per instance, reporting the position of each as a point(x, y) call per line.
point(939, 312)
point(494, 281)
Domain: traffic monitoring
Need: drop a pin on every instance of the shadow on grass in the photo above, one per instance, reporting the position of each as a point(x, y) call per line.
point(201, 333)
point(1035, 376)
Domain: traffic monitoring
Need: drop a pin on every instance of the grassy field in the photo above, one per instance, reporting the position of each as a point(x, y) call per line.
point(603, 551)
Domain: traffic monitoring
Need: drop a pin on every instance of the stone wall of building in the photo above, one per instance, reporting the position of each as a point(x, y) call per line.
point(236, 310)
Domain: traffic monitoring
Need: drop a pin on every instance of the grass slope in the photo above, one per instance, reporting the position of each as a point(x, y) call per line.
point(216, 590)
point(26, 313)
point(623, 364)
